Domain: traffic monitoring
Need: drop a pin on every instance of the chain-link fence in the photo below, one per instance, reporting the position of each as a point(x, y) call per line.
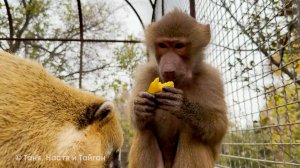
point(256, 46)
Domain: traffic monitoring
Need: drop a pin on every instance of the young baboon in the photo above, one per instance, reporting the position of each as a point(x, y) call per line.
point(46, 123)
point(181, 127)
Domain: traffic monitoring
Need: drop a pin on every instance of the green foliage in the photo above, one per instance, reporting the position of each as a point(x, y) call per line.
point(129, 56)
point(283, 109)
point(243, 144)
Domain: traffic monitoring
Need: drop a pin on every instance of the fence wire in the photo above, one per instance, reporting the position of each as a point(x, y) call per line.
point(256, 46)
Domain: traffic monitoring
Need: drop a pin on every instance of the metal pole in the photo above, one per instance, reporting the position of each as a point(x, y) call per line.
point(192, 8)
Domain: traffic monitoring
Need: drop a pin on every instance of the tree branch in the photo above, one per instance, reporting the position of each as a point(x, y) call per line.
point(84, 72)
point(152, 4)
point(10, 22)
point(19, 33)
point(136, 13)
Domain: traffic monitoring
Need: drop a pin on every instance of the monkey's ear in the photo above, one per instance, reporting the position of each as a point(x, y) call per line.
point(202, 32)
point(206, 34)
point(150, 34)
point(206, 28)
point(151, 28)
point(104, 110)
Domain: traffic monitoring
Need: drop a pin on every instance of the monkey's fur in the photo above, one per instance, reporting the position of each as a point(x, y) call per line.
point(40, 116)
point(197, 131)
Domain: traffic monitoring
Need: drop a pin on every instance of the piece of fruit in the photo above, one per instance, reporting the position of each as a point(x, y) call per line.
point(170, 84)
point(157, 86)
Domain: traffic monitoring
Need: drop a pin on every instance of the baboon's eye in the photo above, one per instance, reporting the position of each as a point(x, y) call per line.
point(179, 45)
point(162, 45)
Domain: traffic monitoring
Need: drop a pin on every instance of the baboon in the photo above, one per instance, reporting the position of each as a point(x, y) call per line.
point(180, 127)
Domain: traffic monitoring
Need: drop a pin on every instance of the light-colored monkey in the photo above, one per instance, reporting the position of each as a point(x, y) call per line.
point(46, 123)
point(181, 127)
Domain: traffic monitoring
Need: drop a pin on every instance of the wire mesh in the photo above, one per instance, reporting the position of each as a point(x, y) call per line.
point(256, 46)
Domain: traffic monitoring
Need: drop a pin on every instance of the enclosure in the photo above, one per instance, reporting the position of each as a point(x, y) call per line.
point(95, 45)
point(256, 47)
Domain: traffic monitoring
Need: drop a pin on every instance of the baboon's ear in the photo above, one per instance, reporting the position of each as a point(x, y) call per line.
point(205, 33)
point(201, 31)
point(104, 110)
point(150, 35)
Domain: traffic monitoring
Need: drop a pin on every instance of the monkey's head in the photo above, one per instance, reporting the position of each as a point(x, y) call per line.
point(177, 41)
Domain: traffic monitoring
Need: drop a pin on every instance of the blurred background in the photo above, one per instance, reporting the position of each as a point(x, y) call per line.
point(95, 45)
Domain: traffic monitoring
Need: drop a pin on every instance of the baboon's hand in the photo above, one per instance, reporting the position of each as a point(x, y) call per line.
point(171, 99)
point(144, 108)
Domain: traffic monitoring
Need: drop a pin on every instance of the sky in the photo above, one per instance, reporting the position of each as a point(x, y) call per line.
point(122, 10)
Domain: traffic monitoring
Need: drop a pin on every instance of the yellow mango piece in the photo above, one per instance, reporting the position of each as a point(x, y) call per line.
point(170, 84)
point(153, 88)
point(157, 86)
